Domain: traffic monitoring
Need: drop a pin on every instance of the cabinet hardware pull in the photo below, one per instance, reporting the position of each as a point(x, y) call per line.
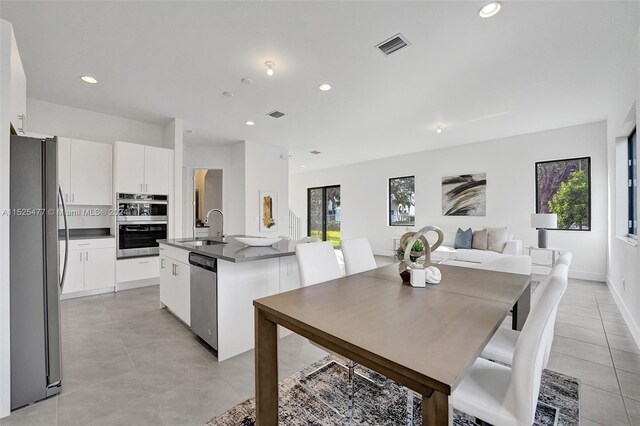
point(85, 244)
point(86, 255)
point(21, 128)
point(161, 263)
point(143, 262)
point(80, 256)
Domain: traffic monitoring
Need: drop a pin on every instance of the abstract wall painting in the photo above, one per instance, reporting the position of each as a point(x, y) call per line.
point(268, 211)
point(464, 195)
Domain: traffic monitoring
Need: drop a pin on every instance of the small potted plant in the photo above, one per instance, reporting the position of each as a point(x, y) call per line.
point(416, 251)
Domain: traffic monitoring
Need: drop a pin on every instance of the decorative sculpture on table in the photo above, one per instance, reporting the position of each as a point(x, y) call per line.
point(420, 273)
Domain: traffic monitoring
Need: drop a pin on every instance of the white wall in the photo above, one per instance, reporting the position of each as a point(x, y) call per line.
point(623, 263)
point(229, 159)
point(247, 168)
point(59, 120)
point(266, 169)
point(509, 165)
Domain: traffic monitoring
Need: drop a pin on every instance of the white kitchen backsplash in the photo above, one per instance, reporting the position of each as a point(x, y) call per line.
point(88, 217)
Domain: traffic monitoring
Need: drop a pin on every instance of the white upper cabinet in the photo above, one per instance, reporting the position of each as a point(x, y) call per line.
point(129, 168)
point(64, 167)
point(85, 172)
point(142, 169)
point(156, 170)
point(18, 95)
point(91, 173)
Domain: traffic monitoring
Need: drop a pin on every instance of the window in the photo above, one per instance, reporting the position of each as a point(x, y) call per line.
point(633, 184)
point(402, 201)
point(563, 187)
point(323, 213)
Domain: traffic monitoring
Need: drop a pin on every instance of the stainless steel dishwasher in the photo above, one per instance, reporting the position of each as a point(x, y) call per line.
point(204, 298)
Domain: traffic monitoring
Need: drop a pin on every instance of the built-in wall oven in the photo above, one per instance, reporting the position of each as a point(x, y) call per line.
point(142, 219)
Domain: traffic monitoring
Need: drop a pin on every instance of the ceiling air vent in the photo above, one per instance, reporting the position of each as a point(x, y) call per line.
point(393, 44)
point(275, 114)
point(314, 152)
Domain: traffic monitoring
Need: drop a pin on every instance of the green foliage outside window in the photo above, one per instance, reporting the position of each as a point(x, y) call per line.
point(569, 202)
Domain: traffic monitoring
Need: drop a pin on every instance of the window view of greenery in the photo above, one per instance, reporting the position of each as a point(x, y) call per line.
point(563, 187)
point(402, 201)
point(324, 213)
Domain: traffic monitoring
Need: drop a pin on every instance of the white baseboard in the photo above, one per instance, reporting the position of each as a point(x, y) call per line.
point(85, 293)
point(590, 276)
point(130, 285)
point(633, 326)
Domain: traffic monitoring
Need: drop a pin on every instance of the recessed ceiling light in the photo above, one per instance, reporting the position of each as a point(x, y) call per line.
point(324, 87)
point(249, 123)
point(246, 80)
point(490, 9)
point(227, 94)
point(303, 166)
point(270, 65)
point(439, 128)
point(88, 79)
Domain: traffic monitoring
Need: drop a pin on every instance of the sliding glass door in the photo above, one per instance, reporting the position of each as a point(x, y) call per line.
point(323, 213)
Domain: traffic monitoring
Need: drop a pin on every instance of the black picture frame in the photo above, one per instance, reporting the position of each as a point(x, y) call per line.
point(389, 212)
point(588, 159)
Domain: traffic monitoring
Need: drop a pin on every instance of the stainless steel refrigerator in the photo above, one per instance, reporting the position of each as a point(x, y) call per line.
point(35, 280)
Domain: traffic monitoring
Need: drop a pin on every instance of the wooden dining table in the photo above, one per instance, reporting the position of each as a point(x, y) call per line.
point(423, 338)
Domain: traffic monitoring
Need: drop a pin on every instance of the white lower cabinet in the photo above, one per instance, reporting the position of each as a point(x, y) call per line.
point(138, 270)
point(175, 287)
point(90, 265)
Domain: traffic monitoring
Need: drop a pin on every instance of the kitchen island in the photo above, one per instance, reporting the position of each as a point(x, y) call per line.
point(242, 274)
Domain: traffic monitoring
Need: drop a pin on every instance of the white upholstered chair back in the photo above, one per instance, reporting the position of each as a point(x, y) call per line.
point(358, 256)
point(565, 259)
point(317, 263)
point(511, 264)
point(560, 270)
point(529, 354)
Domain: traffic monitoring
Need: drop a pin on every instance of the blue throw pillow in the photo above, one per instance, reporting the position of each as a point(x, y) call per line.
point(463, 239)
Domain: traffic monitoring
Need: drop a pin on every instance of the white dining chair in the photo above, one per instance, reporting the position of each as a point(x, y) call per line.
point(503, 343)
point(511, 264)
point(504, 396)
point(358, 256)
point(317, 263)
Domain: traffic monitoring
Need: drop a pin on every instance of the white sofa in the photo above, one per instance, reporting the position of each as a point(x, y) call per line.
point(447, 253)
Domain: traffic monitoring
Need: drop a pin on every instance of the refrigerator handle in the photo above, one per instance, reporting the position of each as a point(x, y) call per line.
point(66, 238)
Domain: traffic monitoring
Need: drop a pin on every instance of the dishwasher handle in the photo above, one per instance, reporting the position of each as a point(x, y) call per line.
point(205, 262)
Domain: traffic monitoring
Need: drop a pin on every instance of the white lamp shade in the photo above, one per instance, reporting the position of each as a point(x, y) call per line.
point(544, 220)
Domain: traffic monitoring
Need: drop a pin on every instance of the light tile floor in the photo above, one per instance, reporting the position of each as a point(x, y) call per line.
point(128, 362)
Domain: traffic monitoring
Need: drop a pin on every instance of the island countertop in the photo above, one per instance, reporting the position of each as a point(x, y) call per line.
point(232, 250)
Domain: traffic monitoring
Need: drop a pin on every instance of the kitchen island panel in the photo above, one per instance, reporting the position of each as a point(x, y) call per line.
point(238, 285)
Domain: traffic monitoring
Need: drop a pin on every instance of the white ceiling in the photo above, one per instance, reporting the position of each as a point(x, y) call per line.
point(534, 66)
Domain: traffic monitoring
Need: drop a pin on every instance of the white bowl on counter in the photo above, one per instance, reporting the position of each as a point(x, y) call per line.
point(257, 241)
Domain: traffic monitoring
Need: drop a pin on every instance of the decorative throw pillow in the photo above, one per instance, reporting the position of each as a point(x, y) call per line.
point(479, 240)
point(497, 238)
point(463, 239)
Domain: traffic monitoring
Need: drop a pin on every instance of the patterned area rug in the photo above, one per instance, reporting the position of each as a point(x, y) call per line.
point(303, 401)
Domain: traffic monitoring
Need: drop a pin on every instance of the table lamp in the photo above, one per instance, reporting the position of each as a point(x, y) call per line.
point(542, 222)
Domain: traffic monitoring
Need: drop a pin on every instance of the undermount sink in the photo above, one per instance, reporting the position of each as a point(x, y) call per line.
point(201, 242)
